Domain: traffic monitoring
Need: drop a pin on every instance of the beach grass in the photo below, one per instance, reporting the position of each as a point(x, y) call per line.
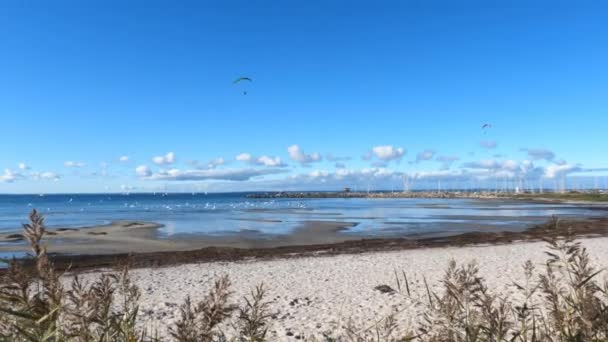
point(562, 301)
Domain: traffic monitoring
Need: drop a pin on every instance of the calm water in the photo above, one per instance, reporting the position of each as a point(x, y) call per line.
point(228, 213)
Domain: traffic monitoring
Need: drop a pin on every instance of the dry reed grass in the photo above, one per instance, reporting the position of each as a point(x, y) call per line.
point(565, 302)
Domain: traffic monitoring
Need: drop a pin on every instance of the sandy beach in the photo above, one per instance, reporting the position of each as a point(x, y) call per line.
point(317, 296)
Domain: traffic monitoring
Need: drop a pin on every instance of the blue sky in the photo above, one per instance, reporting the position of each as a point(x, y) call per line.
point(362, 89)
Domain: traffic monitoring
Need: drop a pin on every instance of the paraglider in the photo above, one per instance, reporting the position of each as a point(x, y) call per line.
point(240, 79)
point(485, 127)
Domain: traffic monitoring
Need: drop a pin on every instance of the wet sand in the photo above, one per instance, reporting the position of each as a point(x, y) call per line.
point(117, 237)
point(133, 242)
point(142, 237)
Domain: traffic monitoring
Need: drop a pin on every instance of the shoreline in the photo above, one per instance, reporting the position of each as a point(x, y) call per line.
point(582, 228)
point(144, 243)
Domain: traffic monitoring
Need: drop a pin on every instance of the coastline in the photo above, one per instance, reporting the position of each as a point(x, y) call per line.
point(144, 243)
point(159, 253)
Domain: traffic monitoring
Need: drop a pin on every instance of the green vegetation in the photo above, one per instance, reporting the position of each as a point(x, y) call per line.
point(564, 302)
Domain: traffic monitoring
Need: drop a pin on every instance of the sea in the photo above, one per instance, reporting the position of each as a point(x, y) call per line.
point(227, 213)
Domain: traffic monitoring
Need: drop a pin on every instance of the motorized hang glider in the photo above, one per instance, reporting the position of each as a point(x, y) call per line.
point(241, 79)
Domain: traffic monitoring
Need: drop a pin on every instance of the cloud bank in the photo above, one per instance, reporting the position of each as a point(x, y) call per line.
point(211, 174)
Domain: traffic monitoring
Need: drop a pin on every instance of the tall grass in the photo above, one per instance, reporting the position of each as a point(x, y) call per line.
point(563, 302)
point(35, 305)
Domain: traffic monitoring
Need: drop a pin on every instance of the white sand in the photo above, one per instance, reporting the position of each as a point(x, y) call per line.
point(331, 290)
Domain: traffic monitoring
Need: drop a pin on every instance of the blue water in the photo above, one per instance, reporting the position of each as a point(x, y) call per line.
point(217, 214)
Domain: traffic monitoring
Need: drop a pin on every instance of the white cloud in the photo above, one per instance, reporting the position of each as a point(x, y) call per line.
point(510, 165)
point(526, 166)
point(143, 171)
point(297, 154)
point(510, 169)
point(318, 174)
point(216, 162)
point(344, 172)
point(243, 157)
point(123, 159)
point(489, 144)
point(212, 164)
point(212, 174)
point(388, 152)
point(263, 160)
point(168, 158)
point(486, 174)
point(539, 153)
point(555, 170)
point(269, 161)
point(9, 176)
point(361, 178)
point(425, 155)
point(370, 178)
point(443, 175)
point(48, 175)
point(23, 166)
point(71, 163)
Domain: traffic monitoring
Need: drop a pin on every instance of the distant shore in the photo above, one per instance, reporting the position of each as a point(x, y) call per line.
point(582, 196)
